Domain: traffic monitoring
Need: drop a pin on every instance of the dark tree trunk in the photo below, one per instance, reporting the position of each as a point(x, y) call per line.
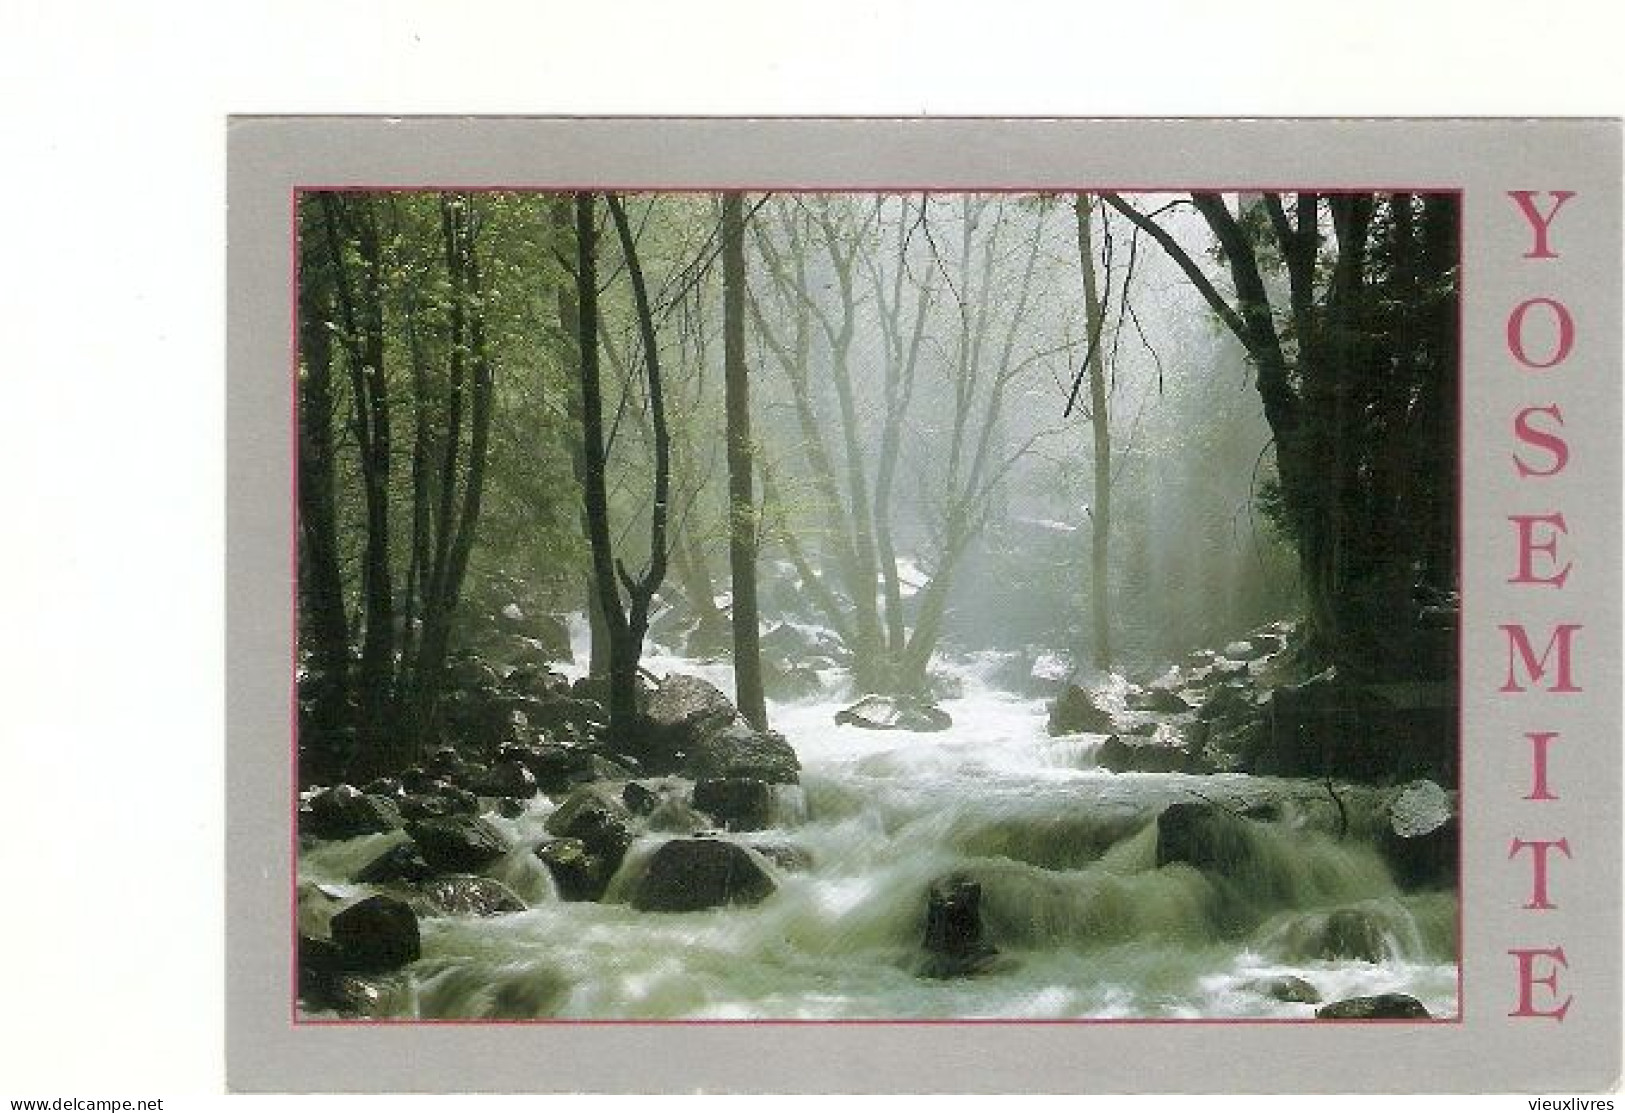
point(623, 678)
point(626, 627)
point(569, 354)
point(321, 584)
point(1363, 417)
point(741, 497)
point(456, 524)
point(362, 311)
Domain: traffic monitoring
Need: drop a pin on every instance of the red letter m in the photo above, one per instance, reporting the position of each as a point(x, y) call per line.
point(1535, 667)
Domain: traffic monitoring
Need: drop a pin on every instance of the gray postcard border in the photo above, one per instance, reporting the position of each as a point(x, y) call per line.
point(1487, 1051)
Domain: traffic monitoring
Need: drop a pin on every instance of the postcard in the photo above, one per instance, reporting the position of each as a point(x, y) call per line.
point(868, 605)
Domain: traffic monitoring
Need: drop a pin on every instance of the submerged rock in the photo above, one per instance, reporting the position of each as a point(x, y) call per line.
point(954, 943)
point(1203, 835)
point(1383, 1006)
point(1076, 711)
point(738, 803)
point(1359, 934)
point(792, 859)
point(894, 713)
point(375, 934)
point(1286, 987)
point(687, 875)
point(458, 844)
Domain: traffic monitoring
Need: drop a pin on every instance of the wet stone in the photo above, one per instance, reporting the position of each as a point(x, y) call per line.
point(954, 943)
point(375, 934)
point(688, 875)
point(458, 844)
point(1383, 1006)
point(1288, 988)
point(738, 803)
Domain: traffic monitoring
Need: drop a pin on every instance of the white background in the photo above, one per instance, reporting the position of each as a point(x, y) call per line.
point(112, 256)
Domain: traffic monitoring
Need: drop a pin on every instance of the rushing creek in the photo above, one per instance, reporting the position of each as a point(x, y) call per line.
point(1085, 924)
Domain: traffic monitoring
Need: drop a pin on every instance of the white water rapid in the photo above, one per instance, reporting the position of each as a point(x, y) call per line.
point(1085, 924)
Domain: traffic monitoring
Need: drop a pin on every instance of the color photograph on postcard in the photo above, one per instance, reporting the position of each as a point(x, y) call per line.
point(915, 605)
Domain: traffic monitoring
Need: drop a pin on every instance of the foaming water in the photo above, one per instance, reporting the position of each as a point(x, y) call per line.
point(1085, 923)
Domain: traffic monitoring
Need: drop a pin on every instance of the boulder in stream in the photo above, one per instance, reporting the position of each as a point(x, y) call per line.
point(458, 843)
point(344, 812)
point(1076, 711)
point(740, 750)
point(786, 680)
point(1420, 838)
point(682, 713)
point(954, 943)
point(1203, 835)
point(577, 873)
point(357, 996)
point(1143, 755)
point(687, 875)
point(1383, 1006)
point(402, 862)
point(1358, 934)
point(894, 713)
point(1286, 987)
point(598, 820)
point(508, 778)
point(469, 895)
point(375, 934)
point(738, 803)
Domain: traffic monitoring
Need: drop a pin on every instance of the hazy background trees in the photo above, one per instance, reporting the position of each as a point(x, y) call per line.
point(1109, 429)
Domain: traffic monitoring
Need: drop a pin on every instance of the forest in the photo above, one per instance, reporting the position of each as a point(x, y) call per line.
point(894, 605)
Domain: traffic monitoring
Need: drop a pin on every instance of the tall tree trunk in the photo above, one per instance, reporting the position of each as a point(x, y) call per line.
point(361, 305)
point(1100, 514)
point(458, 523)
point(569, 354)
point(595, 496)
point(321, 583)
point(741, 497)
point(626, 627)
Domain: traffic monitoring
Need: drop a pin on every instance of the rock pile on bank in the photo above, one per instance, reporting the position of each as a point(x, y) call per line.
point(692, 780)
